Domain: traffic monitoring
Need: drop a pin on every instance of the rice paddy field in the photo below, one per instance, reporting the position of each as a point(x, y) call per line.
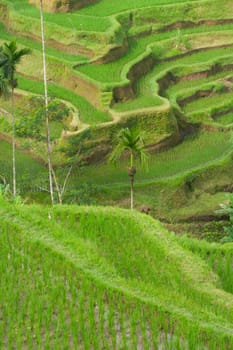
point(127, 285)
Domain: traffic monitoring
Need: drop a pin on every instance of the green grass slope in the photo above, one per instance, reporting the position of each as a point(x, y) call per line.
point(103, 278)
point(26, 166)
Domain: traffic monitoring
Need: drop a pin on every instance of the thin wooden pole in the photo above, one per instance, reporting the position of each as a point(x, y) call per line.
point(49, 150)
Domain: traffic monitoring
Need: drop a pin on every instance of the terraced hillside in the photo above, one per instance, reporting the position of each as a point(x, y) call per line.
point(72, 279)
point(159, 65)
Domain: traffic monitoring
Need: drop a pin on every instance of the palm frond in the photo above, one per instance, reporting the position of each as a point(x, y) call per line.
point(4, 90)
point(116, 153)
point(10, 56)
point(132, 141)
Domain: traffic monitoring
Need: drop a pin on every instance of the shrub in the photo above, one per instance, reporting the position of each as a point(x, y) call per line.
point(29, 126)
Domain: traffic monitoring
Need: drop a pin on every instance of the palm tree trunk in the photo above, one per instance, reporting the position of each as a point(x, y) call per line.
point(132, 172)
point(131, 192)
point(49, 151)
point(13, 142)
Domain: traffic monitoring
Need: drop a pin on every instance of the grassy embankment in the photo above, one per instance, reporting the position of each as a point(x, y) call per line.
point(81, 281)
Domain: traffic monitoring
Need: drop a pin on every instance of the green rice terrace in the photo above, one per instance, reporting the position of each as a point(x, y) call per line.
point(164, 67)
point(110, 280)
point(158, 74)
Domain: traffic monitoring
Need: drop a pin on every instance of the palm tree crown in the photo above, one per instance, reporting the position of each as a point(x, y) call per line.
point(10, 56)
point(133, 142)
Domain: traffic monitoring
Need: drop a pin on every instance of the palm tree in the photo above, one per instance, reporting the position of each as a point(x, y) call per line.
point(131, 141)
point(10, 57)
point(49, 150)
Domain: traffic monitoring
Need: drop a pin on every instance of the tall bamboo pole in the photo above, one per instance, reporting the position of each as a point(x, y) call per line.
point(49, 150)
point(13, 142)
